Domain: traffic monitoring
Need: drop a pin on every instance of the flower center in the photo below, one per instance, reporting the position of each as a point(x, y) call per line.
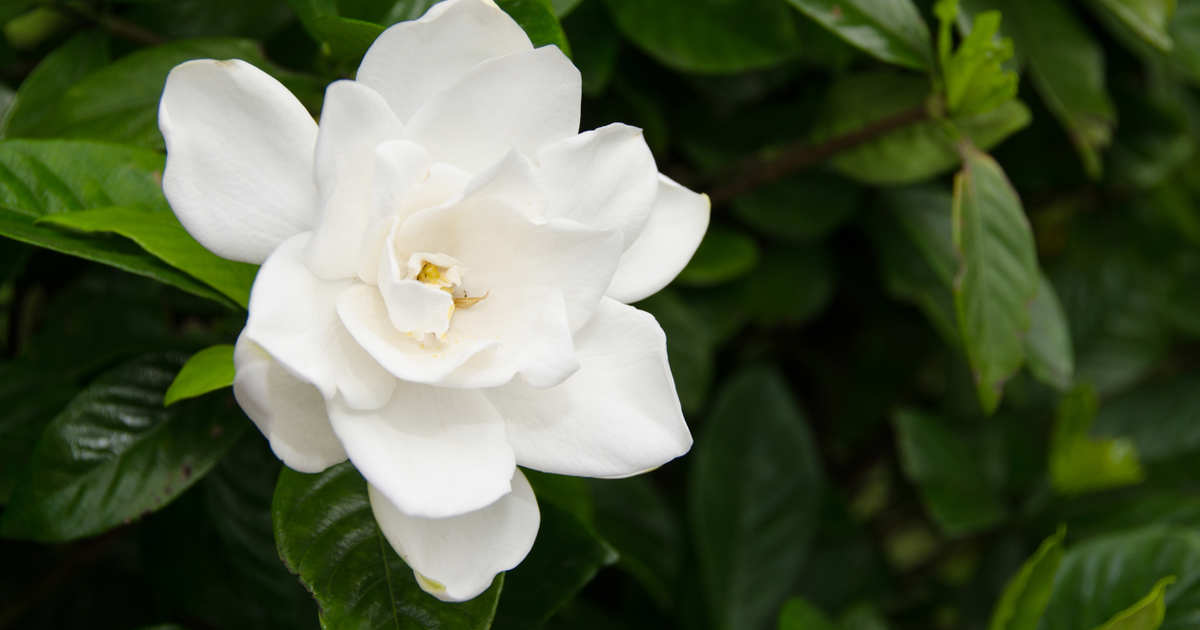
point(422, 294)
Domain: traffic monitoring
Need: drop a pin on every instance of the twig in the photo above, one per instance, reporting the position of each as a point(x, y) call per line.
point(113, 24)
point(757, 171)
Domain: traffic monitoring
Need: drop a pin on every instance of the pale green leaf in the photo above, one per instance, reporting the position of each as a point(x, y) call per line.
point(207, 371)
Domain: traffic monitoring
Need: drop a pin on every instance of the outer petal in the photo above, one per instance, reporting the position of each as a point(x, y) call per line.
point(432, 452)
point(676, 225)
point(617, 416)
point(293, 317)
point(239, 158)
point(354, 121)
point(457, 558)
point(521, 101)
point(412, 61)
point(288, 411)
point(604, 178)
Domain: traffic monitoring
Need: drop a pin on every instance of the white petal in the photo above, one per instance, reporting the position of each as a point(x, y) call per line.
point(412, 61)
point(405, 356)
point(604, 178)
point(239, 170)
point(288, 411)
point(502, 248)
point(521, 101)
point(416, 307)
point(433, 452)
point(293, 316)
point(354, 121)
point(617, 416)
point(677, 222)
point(456, 558)
point(405, 181)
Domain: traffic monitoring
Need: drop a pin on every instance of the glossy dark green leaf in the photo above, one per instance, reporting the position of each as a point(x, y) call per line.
point(690, 347)
point(30, 397)
point(1102, 577)
point(538, 19)
point(755, 494)
point(1082, 463)
point(595, 44)
point(947, 471)
point(998, 273)
point(46, 177)
point(228, 575)
point(790, 286)
point(207, 371)
point(114, 454)
point(1027, 594)
point(723, 255)
point(800, 209)
point(710, 35)
point(889, 30)
point(344, 38)
point(1048, 348)
point(161, 234)
point(565, 557)
point(632, 516)
point(915, 151)
point(326, 533)
point(92, 109)
point(40, 92)
point(1148, 19)
point(1067, 67)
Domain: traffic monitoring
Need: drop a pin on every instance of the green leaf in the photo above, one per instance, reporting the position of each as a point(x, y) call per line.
point(1148, 19)
point(723, 255)
point(228, 575)
point(998, 273)
point(565, 557)
point(161, 234)
point(207, 371)
point(91, 108)
point(39, 178)
point(798, 614)
point(799, 209)
point(30, 397)
point(344, 38)
point(910, 153)
point(1106, 576)
point(975, 77)
point(947, 471)
point(563, 7)
point(862, 617)
point(1146, 614)
point(1162, 419)
point(920, 268)
point(889, 30)
point(713, 36)
point(326, 533)
point(595, 44)
point(755, 494)
point(1028, 592)
point(1081, 463)
point(539, 22)
point(114, 454)
point(690, 347)
point(40, 92)
point(1048, 347)
point(632, 516)
point(1067, 67)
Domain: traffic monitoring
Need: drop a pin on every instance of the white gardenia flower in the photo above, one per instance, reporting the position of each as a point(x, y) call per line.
point(447, 265)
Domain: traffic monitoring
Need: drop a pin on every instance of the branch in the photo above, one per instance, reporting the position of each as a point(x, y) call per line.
point(757, 171)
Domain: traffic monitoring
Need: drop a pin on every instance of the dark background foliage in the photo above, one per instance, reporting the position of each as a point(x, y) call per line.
point(930, 387)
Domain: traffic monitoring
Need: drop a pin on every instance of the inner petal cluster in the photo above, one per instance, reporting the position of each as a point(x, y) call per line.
point(422, 294)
